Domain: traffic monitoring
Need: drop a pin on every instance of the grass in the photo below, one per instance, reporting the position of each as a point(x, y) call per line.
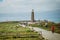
point(9, 31)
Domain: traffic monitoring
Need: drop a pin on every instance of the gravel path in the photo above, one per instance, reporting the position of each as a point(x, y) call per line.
point(48, 34)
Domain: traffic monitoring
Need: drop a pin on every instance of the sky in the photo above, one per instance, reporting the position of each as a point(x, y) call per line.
point(15, 10)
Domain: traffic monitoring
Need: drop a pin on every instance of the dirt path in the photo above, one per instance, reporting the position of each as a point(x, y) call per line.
point(48, 34)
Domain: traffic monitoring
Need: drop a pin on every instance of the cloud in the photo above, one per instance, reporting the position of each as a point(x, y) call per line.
point(21, 6)
point(21, 9)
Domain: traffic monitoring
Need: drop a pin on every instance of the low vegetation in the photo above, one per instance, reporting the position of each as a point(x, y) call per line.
point(12, 31)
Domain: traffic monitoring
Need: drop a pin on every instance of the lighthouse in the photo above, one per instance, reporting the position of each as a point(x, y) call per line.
point(32, 16)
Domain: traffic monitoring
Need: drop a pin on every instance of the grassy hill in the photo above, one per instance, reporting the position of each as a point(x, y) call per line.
point(10, 31)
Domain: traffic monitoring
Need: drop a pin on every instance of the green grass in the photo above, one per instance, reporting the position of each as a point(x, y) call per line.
point(9, 31)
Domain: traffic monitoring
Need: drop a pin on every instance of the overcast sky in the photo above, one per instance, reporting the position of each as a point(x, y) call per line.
point(14, 8)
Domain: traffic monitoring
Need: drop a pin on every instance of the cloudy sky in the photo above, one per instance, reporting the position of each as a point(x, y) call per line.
point(21, 9)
